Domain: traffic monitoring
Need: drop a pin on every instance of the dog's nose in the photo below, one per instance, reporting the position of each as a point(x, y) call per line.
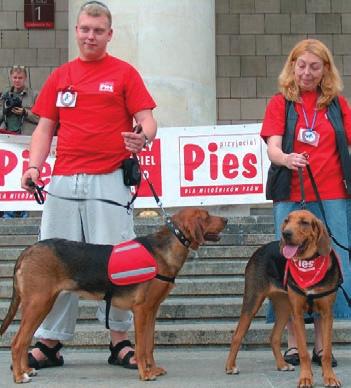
point(287, 234)
point(225, 221)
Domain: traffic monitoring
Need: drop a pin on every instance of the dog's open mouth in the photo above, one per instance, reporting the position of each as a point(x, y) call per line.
point(212, 237)
point(290, 251)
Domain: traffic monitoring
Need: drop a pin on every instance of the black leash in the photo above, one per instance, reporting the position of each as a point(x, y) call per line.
point(319, 202)
point(39, 196)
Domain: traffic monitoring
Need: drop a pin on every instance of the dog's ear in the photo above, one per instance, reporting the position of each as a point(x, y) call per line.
point(323, 239)
point(196, 232)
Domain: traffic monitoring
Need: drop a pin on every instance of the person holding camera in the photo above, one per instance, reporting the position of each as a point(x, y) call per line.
point(16, 117)
point(94, 98)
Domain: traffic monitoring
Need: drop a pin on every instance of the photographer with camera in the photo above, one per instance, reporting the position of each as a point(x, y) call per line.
point(16, 117)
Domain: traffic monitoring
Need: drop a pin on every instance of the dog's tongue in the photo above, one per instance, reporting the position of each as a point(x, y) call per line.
point(289, 251)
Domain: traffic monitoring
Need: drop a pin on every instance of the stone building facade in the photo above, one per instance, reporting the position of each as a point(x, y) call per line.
point(253, 38)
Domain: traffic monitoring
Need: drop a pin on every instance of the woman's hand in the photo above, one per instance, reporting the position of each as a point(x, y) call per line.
point(294, 161)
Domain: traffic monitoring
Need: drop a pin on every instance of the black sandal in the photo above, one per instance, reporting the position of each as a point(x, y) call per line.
point(125, 361)
point(317, 358)
point(292, 359)
point(50, 353)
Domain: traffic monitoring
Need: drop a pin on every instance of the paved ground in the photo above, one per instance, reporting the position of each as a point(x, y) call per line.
point(189, 368)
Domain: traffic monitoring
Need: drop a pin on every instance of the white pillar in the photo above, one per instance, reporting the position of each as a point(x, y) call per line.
point(172, 44)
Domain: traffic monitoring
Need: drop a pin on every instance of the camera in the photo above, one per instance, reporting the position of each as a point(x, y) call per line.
point(11, 100)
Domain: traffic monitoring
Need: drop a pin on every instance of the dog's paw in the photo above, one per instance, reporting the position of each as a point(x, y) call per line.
point(232, 371)
point(331, 381)
point(24, 379)
point(158, 371)
point(305, 382)
point(147, 376)
point(287, 368)
point(32, 372)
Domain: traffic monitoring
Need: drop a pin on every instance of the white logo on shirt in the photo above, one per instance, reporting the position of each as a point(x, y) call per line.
point(106, 87)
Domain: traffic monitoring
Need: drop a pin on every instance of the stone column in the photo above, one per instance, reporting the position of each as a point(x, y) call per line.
point(172, 44)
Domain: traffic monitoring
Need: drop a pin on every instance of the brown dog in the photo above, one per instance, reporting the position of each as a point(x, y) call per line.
point(304, 237)
point(50, 266)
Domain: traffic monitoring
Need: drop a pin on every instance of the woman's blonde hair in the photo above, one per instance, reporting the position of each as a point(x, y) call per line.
point(331, 84)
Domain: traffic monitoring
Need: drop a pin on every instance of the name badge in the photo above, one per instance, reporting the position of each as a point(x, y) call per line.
point(308, 137)
point(66, 99)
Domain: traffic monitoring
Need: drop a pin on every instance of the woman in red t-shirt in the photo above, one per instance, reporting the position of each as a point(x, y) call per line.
point(310, 80)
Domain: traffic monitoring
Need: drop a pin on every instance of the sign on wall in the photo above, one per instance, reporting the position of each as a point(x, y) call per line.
point(188, 166)
point(39, 13)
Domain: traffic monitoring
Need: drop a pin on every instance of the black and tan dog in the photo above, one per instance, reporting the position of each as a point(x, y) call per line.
point(304, 238)
point(50, 266)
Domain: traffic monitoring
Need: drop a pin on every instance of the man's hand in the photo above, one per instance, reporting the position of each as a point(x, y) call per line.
point(134, 141)
point(29, 176)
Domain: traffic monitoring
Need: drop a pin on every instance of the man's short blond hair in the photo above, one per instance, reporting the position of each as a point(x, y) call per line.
point(96, 8)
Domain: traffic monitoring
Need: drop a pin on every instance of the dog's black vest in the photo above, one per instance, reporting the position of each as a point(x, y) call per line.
point(278, 185)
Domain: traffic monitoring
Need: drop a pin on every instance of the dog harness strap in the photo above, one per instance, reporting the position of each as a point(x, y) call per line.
point(165, 278)
point(311, 297)
point(108, 298)
point(177, 232)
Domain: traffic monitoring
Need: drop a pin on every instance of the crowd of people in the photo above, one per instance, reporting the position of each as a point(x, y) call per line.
point(91, 149)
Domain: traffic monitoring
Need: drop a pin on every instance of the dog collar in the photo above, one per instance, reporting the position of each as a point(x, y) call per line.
point(177, 232)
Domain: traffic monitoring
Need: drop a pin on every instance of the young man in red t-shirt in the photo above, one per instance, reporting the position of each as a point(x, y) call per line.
point(91, 102)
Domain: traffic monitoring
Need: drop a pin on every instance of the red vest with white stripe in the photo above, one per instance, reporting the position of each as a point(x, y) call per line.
point(130, 262)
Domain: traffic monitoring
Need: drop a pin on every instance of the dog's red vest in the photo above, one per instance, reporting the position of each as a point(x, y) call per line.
point(130, 262)
point(307, 273)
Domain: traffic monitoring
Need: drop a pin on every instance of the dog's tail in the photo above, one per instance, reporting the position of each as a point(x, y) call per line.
point(15, 301)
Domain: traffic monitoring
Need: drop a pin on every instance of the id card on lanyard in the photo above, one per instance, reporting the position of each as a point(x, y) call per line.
point(66, 98)
point(308, 135)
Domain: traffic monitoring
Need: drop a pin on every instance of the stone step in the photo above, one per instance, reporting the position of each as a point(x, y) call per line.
point(260, 217)
point(261, 210)
point(210, 285)
point(237, 226)
point(214, 252)
point(192, 267)
point(226, 239)
point(173, 308)
point(189, 333)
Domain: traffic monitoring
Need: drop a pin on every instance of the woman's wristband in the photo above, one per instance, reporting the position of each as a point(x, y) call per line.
point(35, 168)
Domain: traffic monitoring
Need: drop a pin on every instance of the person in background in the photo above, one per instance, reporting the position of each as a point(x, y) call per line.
point(94, 99)
point(16, 117)
point(311, 82)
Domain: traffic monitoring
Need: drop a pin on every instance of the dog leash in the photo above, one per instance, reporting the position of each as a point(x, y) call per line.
point(39, 197)
point(39, 189)
point(319, 202)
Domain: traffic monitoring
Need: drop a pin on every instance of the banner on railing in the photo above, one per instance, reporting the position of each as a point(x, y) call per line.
point(188, 166)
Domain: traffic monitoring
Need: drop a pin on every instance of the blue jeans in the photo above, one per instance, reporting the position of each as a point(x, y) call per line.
point(338, 216)
point(12, 214)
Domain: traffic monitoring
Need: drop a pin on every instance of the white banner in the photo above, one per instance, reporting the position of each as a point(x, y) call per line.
point(192, 166)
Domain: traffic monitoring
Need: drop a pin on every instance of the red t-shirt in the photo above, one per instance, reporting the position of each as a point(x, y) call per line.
point(324, 159)
point(109, 93)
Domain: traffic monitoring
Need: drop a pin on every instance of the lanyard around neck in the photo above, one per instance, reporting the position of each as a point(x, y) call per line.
point(310, 128)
